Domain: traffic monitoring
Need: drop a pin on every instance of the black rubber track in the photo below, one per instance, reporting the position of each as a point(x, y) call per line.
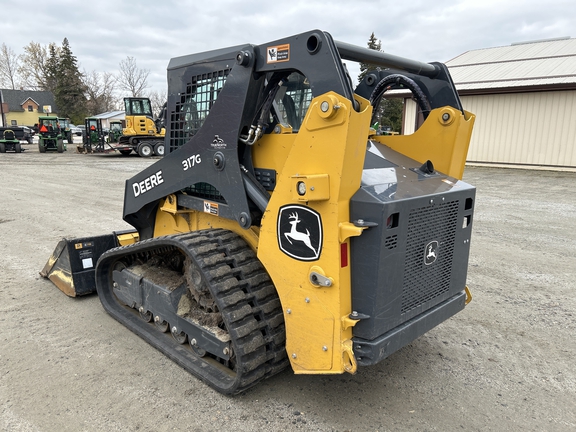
point(244, 295)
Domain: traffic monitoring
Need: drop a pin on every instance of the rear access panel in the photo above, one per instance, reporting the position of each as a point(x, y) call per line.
point(415, 259)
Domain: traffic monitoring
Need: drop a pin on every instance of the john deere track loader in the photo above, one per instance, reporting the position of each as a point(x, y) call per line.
point(280, 229)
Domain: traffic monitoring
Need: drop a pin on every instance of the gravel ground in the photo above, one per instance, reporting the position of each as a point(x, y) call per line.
point(504, 363)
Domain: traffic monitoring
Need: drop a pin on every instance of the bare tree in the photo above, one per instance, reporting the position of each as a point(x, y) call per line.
point(33, 65)
point(100, 92)
point(132, 79)
point(8, 67)
point(157, 100)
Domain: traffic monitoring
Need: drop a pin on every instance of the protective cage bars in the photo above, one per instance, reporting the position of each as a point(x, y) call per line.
point(194, 105)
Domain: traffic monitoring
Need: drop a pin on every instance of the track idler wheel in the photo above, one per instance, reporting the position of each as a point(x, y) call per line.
point(160, 324)
point(178, 335)
point(145, 315)
point(196, 349)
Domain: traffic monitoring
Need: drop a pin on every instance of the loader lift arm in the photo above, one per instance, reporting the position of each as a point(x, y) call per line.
point(231, 116)
point(246, 68)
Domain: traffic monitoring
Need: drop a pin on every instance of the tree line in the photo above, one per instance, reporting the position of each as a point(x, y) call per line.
point(77, 94)
point(81, 94)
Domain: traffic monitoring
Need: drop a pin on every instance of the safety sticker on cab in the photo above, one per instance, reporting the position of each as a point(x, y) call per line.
point(210, 207)
point(280, 53)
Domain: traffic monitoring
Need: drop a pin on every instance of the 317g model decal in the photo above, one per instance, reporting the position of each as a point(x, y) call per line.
point(300, 232)
point(191, 162)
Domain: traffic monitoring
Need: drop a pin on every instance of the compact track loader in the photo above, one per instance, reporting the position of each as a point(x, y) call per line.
point(280, 229)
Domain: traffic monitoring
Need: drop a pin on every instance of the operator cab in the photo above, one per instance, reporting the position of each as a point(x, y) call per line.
point(137, 106)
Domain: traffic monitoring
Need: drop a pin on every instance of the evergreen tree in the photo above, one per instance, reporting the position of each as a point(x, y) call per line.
point(51, 68)
point(389, 111)
point(69, 91)
point(373, 44)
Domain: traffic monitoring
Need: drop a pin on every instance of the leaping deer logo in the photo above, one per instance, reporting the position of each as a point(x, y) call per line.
point(431, 253)
point(296, 235)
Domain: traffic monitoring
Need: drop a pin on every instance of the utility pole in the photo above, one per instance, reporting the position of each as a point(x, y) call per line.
point(2, 109)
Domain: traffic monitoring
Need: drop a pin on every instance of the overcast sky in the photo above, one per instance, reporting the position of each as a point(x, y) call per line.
point(101, 33)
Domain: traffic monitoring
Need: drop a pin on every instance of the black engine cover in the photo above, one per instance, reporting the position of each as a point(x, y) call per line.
point(416, 258)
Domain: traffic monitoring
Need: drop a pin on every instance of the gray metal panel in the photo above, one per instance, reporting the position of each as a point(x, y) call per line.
point(371, 352)
point(392, 282)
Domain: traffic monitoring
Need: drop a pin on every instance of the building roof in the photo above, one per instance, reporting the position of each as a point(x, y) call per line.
point(529, 66)
point(110, 114)
point(15, 99)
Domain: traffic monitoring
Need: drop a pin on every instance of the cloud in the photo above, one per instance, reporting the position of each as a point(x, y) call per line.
point(103, 33)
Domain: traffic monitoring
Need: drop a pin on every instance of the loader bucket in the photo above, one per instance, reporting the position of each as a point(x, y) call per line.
point(71, 266)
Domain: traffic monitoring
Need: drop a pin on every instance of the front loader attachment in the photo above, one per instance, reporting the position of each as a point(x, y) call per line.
point(71, 265)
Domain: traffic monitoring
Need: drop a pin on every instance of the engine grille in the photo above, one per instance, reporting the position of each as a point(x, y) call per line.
point(205, 191)
point(423, 283)
point(391, 242)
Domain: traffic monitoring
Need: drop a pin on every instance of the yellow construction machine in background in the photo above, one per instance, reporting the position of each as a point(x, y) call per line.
point(142, 132)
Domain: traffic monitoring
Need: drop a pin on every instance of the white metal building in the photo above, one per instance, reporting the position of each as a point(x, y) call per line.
point(524, 98)
point(107, 117)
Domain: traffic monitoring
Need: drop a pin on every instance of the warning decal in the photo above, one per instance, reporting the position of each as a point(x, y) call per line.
point(83, 245)
point(280, 53)
point(210, 207)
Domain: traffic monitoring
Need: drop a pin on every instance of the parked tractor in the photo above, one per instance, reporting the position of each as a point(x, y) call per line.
point(9, 142)
point(115, 131)
point(65, 129)
point(49, 135)
point(95, 139)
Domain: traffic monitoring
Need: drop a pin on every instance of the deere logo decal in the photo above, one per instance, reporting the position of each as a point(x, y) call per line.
point(147, 184)
point(431, 252)
point(300, 232)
